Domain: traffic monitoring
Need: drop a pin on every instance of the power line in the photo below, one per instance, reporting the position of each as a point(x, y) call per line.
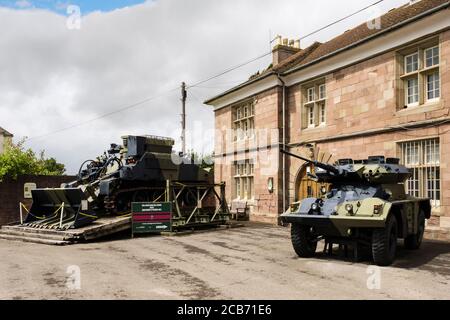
point(229, 70)
point(131, 106)
point(268, 53)
point(342, 19)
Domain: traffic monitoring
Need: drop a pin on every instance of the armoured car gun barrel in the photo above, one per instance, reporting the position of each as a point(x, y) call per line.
point(324, 166)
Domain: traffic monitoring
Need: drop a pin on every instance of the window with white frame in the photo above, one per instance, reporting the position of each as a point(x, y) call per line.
point(311, 121)
point(322, 113)
point(421, 75)
point(412, 62)
point(314, 106)
point(433, 86)
point(412, 92)
point(322, 92)
point(432, 57)
point(423, 158)
point(244, 179)
point(311, 94)
point(244, 121)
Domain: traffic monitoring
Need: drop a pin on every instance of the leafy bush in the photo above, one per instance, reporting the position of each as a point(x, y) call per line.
point(16, 161)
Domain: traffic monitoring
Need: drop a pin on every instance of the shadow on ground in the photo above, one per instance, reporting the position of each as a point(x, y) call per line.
point(433, 256)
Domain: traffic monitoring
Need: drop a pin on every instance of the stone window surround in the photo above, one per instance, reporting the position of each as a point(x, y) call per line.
point(419, 49)
point(423, 166)
point(244, 176)
point(318, 89)
point(238, 122)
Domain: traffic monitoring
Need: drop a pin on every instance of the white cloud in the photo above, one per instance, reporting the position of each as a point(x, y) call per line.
point(53, 77)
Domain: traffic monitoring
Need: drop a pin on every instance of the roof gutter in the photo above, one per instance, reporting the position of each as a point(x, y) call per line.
point(245, 84)
point(376, 35)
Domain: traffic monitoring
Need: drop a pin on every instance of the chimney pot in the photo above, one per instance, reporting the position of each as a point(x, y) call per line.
point(278, 40)
point(283, 49)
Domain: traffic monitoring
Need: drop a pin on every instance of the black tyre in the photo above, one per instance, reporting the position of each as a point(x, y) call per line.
point(413, 241)
point(384, 243)
point(303, 240)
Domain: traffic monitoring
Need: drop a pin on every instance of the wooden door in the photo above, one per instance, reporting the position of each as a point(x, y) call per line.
point(308, 188)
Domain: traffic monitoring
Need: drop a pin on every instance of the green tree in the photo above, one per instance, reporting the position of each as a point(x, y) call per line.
point(16, 161)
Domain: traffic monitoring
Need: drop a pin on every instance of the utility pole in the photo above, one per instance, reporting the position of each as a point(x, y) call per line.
point(183, 117)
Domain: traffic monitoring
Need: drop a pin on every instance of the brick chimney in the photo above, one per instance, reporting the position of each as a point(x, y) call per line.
point(284, 48)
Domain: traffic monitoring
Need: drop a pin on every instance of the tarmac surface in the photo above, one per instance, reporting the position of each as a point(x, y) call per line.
point(252, 262)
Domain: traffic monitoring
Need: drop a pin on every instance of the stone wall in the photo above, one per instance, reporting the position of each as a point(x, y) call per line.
point(12, 193)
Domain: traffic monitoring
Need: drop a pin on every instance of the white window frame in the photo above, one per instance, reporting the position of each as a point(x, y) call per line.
point(435, 88)
point(423, 166)
point(311, 118)
point(244, 180)
point(416, 103)
point(244, 122)
point(433, 64)
point(314, 96)
point(311, 94)
point(322, 113)
point(322, 92)
point(406, 62)
point(421, 74)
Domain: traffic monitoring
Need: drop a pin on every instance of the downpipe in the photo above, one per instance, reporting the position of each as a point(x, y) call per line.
point(283, 142)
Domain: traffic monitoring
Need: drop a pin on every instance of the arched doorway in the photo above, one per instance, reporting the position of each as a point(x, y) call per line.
point(305, 186)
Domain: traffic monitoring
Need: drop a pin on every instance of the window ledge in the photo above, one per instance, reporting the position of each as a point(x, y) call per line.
point(410, 74)
point(244, 140)
point(428, 106)
point(316, 128)
point(430, 69)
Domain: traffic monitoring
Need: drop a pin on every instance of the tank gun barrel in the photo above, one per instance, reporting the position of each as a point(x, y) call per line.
point(324, 166)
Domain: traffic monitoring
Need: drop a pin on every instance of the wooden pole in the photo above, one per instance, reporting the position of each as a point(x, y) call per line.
point(20, 209)
point(62, 212)
point(183, 117)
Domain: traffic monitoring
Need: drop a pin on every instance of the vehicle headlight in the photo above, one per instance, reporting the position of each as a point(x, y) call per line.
point(324, 190)
point(315, 206)
point(349, 207)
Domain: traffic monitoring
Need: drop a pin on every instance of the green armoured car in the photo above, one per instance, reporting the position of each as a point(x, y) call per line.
point(363, 203)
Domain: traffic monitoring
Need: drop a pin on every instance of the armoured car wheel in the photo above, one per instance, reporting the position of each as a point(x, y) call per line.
point(303, 241)
point(384, 243)
point(413, 241)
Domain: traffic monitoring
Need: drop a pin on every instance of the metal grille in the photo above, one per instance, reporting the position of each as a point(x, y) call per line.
point(423, 157)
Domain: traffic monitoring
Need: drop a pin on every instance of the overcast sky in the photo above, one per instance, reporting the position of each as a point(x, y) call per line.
point(53, 76)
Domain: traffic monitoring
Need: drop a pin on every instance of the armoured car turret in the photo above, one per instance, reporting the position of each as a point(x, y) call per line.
point(362, 201)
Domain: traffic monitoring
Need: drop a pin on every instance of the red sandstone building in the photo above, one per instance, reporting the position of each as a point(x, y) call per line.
point(382, 88)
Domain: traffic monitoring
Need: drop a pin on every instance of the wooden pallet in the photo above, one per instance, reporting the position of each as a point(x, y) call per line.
point(100, 228)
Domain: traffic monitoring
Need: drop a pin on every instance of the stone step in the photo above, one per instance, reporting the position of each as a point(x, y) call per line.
point(24, 233)
point(34, 240)
point(29, 230)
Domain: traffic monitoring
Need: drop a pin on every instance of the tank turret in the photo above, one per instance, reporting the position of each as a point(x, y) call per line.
point(374, 170)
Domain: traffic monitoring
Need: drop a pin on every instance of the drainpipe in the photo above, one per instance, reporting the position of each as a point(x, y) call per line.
point(283, 139)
